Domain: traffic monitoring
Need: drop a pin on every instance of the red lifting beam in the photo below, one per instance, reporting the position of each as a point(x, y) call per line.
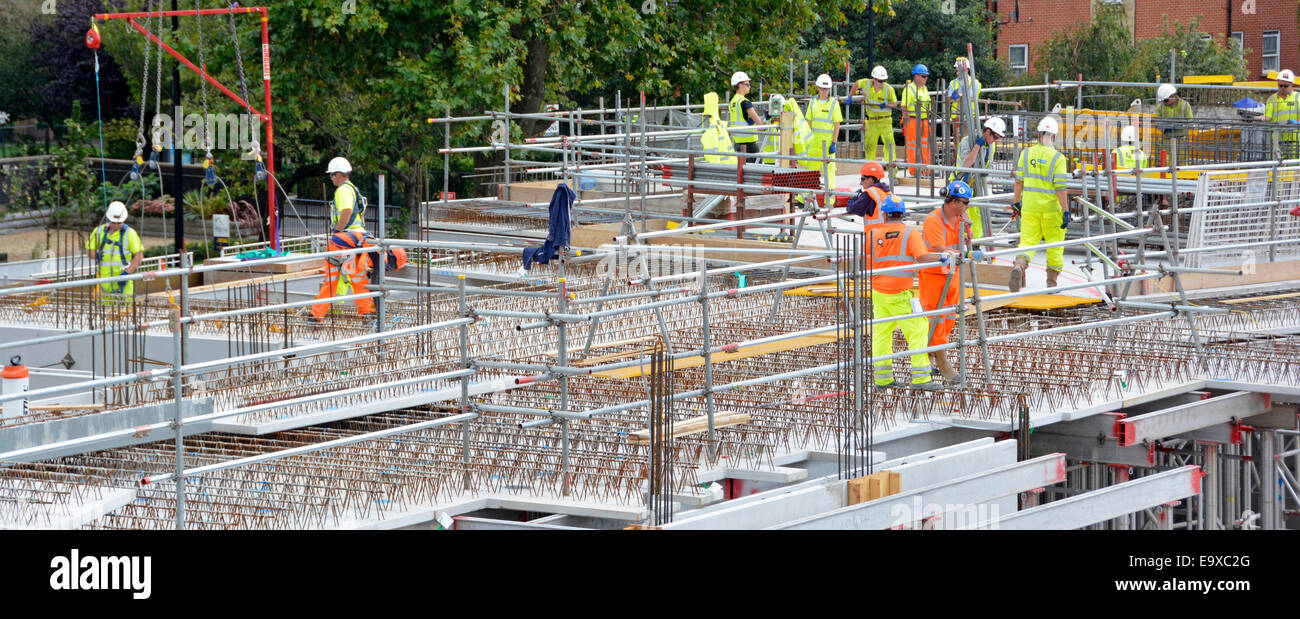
point(202, 72)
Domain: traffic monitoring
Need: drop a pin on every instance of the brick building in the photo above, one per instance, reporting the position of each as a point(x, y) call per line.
point(1267, 29)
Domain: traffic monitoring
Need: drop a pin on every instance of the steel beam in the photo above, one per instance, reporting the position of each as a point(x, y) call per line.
point(471, 523)
point(1189, 417)
point(828, 493)
point(26, 443)
point(952, 501)
point(1101, 505)
point(1089, 449)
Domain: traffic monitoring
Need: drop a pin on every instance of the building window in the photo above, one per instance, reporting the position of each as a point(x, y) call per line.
point(1019, 59)
point(1270, 54)
point(1240, 38)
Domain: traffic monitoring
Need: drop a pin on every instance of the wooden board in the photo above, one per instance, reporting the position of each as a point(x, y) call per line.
point(872, 487)
point(694, 425)
point(1265, 272)
point(246, 279)
point(602, 234)
point(1271, 297)
point(723, 357)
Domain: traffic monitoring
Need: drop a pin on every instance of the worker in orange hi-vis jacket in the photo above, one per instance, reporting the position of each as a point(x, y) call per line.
point(945, 230)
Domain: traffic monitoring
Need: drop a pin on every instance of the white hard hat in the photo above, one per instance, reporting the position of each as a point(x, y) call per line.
point(879, 73)
point(1048, 125)
point(1285, 75)
point(774, 104)
point(996, 125)
point(1165, 91)
point(958, 62)
point(738, 77)
point(339, 164)
point(1128, 134)
point(823, 81)
point(116, 212)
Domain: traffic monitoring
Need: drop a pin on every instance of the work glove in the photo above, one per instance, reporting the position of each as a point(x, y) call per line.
point(1293, 122)
point(947, 257)
point(1015, 210)
point(1065, 218)
point(979, 141)
point(336, 260)
point(831, 150)
point(849, 100)
point(882, 105)
point(975, 254)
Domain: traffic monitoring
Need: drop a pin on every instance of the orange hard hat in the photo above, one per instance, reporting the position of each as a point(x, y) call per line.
point(874, 170)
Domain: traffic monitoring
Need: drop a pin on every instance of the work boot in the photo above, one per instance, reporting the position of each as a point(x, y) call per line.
point(1052, 274)
point(1017, 280)
point(932, 385)
point(945, 368)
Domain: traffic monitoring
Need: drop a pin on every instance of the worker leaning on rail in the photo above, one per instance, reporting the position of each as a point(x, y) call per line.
point(895, 243)
point(345, 275)
point(1171, 106)
point(824, 118)
point(1040, 177)
point(916, 115)
point(1129, 155)
point(117, 249)
point(866, 202)
point(945, 231)
point(978, 153)
point(1283, 106)
point(742, 116)
point(881, 100)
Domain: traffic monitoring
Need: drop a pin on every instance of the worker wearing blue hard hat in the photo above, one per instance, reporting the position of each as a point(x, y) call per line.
point(917, 110)
point(892, 244)
point(946, 231)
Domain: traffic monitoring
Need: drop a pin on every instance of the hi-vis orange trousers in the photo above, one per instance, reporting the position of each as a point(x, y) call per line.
point(354, 268)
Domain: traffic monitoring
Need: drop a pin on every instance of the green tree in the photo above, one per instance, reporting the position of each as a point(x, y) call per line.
point(1099, 50)
point(1196, 55)
point(924, 34)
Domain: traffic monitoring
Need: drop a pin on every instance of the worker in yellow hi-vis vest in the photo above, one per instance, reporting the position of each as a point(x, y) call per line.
point(824, 117)
point(345, 275)
point(117, 250)
point(881, 100)
point(1040, 176)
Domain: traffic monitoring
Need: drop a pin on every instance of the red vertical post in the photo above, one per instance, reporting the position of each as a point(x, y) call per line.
point(270, 135)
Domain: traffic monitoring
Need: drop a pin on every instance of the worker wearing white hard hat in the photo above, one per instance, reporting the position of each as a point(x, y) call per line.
point(1283, 106)
point(977, 152)
point(345, 275)
point(1169, 108)
point(742, 115)
point(880, 101)
point(1129, 155)
point(1040, 177)
point(117, 249)
point(824, 117)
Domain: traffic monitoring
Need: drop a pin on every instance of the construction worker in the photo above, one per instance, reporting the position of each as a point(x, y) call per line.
point(1128, 156)
point(945, 231)
point(1040, 175)
point(895, 244)
point(345, 275)
point(1171, 106)
point(916, 115)
point(955, 93)
point(1283, 106)
point(117, 249)
point(715, 139)
point(742, 115)
point(978, 153)
point(824, 117)
point(880, 99)
point(872, 194)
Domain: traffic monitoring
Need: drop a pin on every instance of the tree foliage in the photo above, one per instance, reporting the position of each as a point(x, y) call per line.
point(920, 32)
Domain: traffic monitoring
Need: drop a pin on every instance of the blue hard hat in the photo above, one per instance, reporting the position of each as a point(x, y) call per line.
point(958, 189)
point(920, 69)
point(893, 205)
